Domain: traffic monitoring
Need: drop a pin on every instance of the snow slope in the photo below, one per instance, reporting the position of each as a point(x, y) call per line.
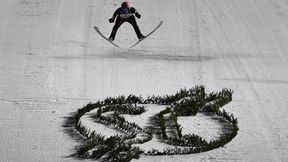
point(52, 62)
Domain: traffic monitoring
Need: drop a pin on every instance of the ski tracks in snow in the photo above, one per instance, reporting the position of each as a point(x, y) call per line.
point(242, 48)
point(52, 62)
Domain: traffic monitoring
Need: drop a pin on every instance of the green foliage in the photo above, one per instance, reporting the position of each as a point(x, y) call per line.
point(161, 121)
point(124, 153)
point(187, 140)
point(173, 117)
point(187, 107)
point(99, 112)
point(132, 99)
point(124, 109)
point(162, 126)
point(217, 100)
point(89, 144)
point(183, 103)
point(179, 130)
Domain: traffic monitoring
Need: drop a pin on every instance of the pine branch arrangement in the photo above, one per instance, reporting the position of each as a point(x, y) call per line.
point(183, 103)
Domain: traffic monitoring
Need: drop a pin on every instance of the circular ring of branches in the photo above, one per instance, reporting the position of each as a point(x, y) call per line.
point(122, 147)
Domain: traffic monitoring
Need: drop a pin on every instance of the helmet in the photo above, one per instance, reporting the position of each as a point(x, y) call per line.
point(125, 4)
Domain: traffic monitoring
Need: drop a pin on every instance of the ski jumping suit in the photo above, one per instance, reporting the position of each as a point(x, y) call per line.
point(125, 14)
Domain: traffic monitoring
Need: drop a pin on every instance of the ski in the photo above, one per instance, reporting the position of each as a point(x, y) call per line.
point(160, 23)
point(99, 32)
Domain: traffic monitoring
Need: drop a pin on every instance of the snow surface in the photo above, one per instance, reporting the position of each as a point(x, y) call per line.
point(209, 127)
point(52, 62)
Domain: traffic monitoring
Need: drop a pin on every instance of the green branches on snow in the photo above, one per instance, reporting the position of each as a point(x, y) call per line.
point(186, 102)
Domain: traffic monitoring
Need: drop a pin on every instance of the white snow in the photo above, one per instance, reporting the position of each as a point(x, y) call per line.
point(205, 126)
point(52, 62)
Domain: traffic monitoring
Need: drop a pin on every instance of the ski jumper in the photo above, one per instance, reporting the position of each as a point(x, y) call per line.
point(125, 14)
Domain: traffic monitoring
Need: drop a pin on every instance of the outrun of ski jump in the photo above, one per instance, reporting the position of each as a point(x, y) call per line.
point(67, 67)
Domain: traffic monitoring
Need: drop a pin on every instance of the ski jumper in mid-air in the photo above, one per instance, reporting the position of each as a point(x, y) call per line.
point(125, 13)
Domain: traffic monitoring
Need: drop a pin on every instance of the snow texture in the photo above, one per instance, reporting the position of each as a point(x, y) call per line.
point(52, 63)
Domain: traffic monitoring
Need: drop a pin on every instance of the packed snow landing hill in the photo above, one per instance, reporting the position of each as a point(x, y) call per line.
point(53, 63)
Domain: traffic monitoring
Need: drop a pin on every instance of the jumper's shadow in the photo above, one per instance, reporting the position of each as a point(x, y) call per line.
point(139, 55)
point(146, 55)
